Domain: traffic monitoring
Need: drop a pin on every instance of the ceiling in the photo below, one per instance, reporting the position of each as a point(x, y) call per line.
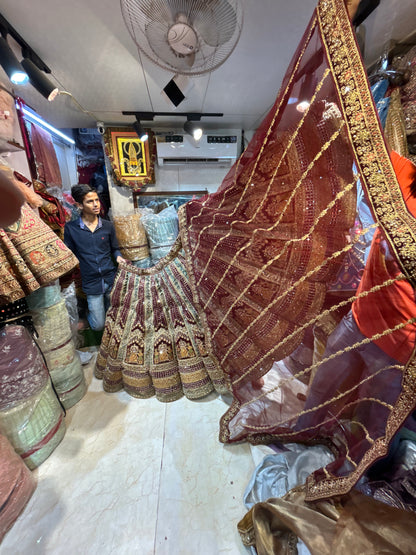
point(92, 56)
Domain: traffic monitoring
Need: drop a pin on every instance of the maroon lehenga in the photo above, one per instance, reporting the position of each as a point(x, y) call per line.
point(262, 251)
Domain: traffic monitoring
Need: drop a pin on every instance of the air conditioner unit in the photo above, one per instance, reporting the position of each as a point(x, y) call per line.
point(218, 150)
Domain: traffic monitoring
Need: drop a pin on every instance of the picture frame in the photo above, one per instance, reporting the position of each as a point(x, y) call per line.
point(132, 160)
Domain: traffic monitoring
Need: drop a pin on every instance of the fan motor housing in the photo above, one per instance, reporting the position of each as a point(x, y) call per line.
point(182, 39)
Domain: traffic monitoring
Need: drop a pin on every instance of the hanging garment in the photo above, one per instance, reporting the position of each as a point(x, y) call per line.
point(153, 343)
point(261, 251)
point(45, 160)
point(31, 255)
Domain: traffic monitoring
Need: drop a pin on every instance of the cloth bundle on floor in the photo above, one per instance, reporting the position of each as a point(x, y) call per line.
point(354, 523)
point(153, 343)
point(69, 382)
point(131, 237)
point(31, 256)
point(56, 342)
point(55, 335)
point(16, 485)
point(30, 414)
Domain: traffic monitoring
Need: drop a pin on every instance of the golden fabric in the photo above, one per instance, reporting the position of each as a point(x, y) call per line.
point(131, 237)
point(354, 523)
point(395, 128)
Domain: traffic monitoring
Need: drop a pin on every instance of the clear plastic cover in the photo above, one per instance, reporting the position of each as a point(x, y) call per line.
point(162, 230)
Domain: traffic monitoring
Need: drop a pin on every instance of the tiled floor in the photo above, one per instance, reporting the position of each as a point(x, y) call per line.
point(137, 477)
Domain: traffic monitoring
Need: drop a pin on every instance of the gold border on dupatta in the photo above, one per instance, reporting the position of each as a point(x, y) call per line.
point(387, 202)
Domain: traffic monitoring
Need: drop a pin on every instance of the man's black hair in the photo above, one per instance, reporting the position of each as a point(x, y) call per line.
point(78, 192)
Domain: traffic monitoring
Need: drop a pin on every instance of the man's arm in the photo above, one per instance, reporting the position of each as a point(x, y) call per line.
point(68, 240)
point(115, 250)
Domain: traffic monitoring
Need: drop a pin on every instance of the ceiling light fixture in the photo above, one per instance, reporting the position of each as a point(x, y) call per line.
point(39, 80)
point(193, 127)
point(32, 67)
point(29, 115)
point(141, 133)
point(10, 63)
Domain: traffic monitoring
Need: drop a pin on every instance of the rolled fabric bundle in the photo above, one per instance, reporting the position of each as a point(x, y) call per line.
point(131, 236)
point(30, 414)
point(16, 485)
point(44, 297)
point(69, 382)
point(22, 369)
point(34, 426)
point(53, 326)
point(60, 356)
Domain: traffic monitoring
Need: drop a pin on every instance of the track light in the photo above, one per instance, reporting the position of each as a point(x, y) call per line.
point(39, 80)
point(141, 133)
point(193, 128)
point(11, 65)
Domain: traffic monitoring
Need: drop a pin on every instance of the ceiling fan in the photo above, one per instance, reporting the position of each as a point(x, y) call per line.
point(188, 37)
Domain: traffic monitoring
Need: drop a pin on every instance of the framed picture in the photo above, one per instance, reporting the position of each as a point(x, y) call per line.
point(132, 160)
point(157, 200)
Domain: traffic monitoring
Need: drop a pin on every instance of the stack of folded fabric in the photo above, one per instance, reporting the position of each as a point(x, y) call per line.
point(16, 486)
point(31, 416)
point(53, 326)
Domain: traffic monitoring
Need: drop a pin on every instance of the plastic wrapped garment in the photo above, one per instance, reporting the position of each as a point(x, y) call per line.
point(31, 256)
point(30, 414)
point(153, 342)
point(56, 342)
point(70, 297)
point(131, 237)
point(53, 327)
point(161, 230)
point(44, 297)
point(261, 251)
point(16, 485)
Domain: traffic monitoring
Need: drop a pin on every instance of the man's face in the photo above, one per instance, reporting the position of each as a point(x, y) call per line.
point(91, 204)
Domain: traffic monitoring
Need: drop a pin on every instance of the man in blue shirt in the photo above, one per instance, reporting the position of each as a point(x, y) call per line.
point(94, 243)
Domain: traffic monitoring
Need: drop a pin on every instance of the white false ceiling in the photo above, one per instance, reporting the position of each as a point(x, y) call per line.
point(92, 56)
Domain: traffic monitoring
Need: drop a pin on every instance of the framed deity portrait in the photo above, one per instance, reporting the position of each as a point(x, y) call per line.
point(132, 160)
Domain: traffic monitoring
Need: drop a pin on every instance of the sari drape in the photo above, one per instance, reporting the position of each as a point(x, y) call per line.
point(262, 250)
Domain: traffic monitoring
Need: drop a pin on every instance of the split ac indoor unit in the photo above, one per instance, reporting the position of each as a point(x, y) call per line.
point(213, 149)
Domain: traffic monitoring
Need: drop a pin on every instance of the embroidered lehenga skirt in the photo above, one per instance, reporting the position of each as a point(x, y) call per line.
point(153, 342)
point(31, 256)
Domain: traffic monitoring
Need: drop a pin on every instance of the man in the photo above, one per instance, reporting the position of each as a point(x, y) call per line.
point(94, 243)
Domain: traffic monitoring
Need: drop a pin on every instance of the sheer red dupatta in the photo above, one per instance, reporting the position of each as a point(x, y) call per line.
point(262, 251)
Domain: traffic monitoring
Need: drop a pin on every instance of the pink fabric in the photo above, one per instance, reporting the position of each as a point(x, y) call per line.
point(16, 486)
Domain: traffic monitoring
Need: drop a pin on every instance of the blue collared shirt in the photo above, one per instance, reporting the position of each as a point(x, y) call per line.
point(96, 251)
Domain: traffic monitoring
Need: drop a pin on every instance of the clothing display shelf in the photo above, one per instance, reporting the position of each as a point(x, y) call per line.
point(9, 145)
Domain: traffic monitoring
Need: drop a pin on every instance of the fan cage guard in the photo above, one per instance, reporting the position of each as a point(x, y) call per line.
point(210, 20)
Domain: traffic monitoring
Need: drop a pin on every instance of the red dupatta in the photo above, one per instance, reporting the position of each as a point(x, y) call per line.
point(262, 250)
